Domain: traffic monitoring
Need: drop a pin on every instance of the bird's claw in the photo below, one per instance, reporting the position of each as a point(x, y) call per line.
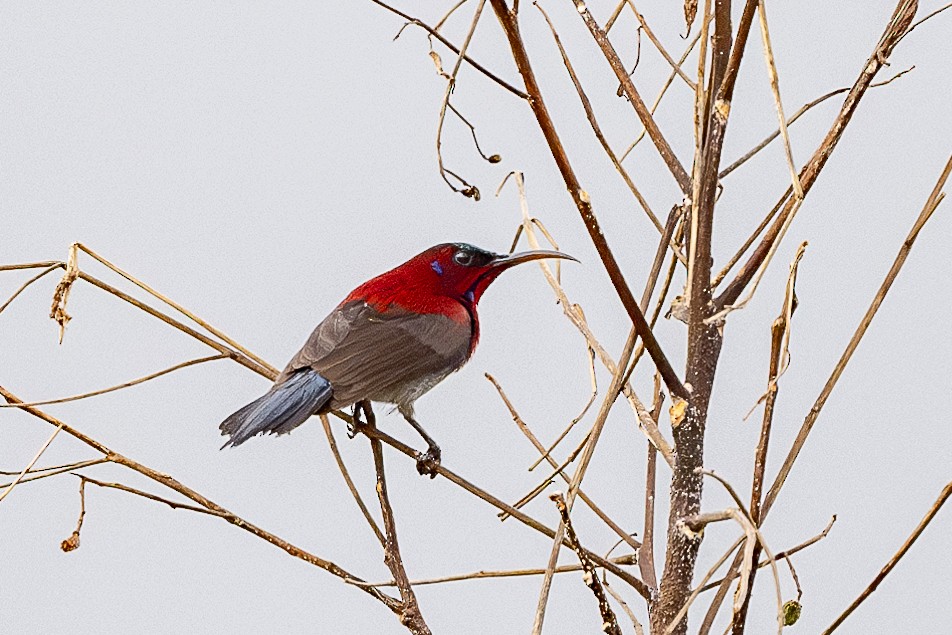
point(426, 464)
point(355, 424)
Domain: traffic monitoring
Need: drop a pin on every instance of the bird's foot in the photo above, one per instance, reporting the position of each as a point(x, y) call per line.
point(354, 427)
point(356, 423)
point(426, 464)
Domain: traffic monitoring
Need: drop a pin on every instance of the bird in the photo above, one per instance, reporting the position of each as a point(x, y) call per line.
point(391, 340)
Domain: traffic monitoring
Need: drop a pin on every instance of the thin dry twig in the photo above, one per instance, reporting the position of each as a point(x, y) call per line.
point(23, 287)
point(72, 542)
point(609, 621)
point(265, 370)
point(726, 309)
point(779, 344)
point(660, 95)
point(507, 573)
point(716, 281)
point(558, 471)
point(648, 426)
point(707, 576)
point(896, 557)
point(448, 14)
point(175, 305)
point(492, 158)
point(410, 615)
point(588, 452)
point(693, 526)
point(510, 25)
point(590, 115)
point(433, 33)
point(800, 112)
point(47, 472)
point(754, 542)
point(29, 466)
point(675, 66)
point(933, 201)
point(732, 575)
point(646, 556)
point(134, 382)
point(588, 404)
point(20, 266)
point(667, 154)
point(209, 506)
point(332, 442)
point(775, 89)
point(152, 497)
point(524, 428)
point(898, 24)
point(925, 19)
point(466, 189)
point(639, 630)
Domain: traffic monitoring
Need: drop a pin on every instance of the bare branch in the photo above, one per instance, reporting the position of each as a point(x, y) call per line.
point(609, 621)
point(581, 198)
point(410, 615)
point(601, 38)
point(332, 442)
point(704, 339)
point(675, 66)
point(42, 472)
point(800, 112)
point(508, 573)
point(210, 507)
point(661, 93)
point(577, 318)
point(779, 340)
point(590, 115)
point(779, 556)
point(204, 324)
point(103, 391)
point(521, 424)
point(589, 450)
point(935, 197)
point(30, 465)
point(894, 560)
point(26, 284)
point(775, 89)
point(646, 556)
point(902, 17)
point(436, 34)
point(467, 190)
point(153, 497)
point(72, 543)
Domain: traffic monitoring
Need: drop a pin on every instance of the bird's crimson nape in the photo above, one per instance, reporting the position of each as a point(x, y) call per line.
point(391, 340)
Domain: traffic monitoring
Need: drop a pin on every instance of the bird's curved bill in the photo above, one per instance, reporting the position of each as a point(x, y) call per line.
point(509, 260)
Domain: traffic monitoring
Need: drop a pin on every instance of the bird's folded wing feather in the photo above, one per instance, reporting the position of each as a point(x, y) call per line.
point(369, 354)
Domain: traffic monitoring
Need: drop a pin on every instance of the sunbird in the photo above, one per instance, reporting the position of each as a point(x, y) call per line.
point(391, 340)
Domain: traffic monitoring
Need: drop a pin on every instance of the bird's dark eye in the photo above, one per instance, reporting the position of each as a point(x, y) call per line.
point(463, 257)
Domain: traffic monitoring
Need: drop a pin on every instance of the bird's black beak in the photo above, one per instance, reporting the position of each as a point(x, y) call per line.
point(503, 262)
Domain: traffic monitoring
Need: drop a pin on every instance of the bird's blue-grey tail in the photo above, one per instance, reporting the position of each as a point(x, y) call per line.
point(283, 408)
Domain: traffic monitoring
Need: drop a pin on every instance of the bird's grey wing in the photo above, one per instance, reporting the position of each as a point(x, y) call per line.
point(324, 338)
point(393, 356)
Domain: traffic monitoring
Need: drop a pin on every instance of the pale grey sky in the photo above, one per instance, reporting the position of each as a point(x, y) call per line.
point(256, 161)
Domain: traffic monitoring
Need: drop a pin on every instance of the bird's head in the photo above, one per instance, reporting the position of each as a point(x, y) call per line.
point(464, 272)
point(456, 271)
